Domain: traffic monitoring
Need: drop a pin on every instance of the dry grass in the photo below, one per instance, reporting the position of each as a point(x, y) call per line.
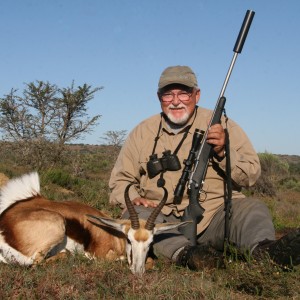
point(78, 278)
point(285, 208)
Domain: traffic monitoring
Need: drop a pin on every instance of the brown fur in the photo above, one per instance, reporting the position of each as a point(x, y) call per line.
point(141, 235)
point(37, 225)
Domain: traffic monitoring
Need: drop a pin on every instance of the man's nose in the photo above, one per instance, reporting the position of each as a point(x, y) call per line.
point(176, 100)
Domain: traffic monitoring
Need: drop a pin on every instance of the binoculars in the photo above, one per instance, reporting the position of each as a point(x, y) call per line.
point(168, 162)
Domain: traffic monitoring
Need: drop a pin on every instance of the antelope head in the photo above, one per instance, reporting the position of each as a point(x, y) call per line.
point(139, 233)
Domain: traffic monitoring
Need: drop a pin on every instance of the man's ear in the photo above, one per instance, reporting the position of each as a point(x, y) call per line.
point(198, 94)
point(159, 228)
point(158, 96)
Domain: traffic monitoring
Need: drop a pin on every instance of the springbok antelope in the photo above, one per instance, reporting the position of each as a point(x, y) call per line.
point(33, 228)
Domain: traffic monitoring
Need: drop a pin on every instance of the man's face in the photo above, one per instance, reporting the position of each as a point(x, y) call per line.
point(178, 103)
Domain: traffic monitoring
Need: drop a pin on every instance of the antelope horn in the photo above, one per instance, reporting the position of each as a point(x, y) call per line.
point(133, 216)
point(150, 222)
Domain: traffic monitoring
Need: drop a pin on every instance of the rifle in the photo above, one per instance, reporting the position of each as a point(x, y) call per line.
point(201, 151)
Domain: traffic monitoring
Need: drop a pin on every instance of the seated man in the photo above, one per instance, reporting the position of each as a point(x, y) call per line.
point(251, 227)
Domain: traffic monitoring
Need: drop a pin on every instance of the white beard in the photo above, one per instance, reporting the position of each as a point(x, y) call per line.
point(178, 121)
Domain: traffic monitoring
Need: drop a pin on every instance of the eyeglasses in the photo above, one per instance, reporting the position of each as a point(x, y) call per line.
point(169, 97)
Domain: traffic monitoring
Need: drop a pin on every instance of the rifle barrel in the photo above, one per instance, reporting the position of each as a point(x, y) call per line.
point(238, 46)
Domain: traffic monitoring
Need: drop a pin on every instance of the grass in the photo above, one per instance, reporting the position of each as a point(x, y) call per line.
point(76, 277)
point(285, 209)
point(79, 278)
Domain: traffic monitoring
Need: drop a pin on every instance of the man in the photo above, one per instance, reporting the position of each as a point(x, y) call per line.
point(171, 132)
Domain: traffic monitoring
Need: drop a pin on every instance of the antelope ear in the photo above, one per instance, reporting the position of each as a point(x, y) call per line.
point(159, 228)
point(119, 225)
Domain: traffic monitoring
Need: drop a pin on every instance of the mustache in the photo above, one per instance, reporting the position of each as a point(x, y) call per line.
point(177, 106)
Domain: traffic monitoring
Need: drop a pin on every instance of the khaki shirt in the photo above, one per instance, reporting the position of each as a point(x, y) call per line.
point(134, 155)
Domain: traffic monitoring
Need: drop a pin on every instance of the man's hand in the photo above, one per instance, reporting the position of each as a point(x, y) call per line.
point(216, 137)
point(142, 201)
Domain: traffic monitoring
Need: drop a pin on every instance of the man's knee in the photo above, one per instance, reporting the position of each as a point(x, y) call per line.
point(249, 206)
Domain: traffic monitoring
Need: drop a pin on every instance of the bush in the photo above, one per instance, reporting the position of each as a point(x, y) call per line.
point(295, 168)
point(59, 177)
point(290, 184)
point(273, 171)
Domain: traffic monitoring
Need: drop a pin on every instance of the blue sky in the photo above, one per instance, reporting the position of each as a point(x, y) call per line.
point(124, 45)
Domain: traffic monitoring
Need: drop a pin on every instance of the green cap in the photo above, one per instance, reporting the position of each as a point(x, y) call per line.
point(178, 74)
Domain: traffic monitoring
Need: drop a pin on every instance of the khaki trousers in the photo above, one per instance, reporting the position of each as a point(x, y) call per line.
point(250, 223)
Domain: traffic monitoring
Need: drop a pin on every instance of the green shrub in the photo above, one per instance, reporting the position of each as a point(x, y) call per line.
point(290, 183)
point(59, 177)
point(295, 168)
point(273, 171)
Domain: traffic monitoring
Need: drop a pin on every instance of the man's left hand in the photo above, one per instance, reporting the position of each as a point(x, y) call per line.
point(216, 137)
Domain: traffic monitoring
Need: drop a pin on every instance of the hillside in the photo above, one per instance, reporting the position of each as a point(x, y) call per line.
point(295, 159)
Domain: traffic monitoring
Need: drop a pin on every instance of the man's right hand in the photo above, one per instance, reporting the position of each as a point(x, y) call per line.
point(142, 201)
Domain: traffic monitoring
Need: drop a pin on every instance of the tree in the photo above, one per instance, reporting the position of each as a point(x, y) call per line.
point(44, 118)
point(115, 137)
